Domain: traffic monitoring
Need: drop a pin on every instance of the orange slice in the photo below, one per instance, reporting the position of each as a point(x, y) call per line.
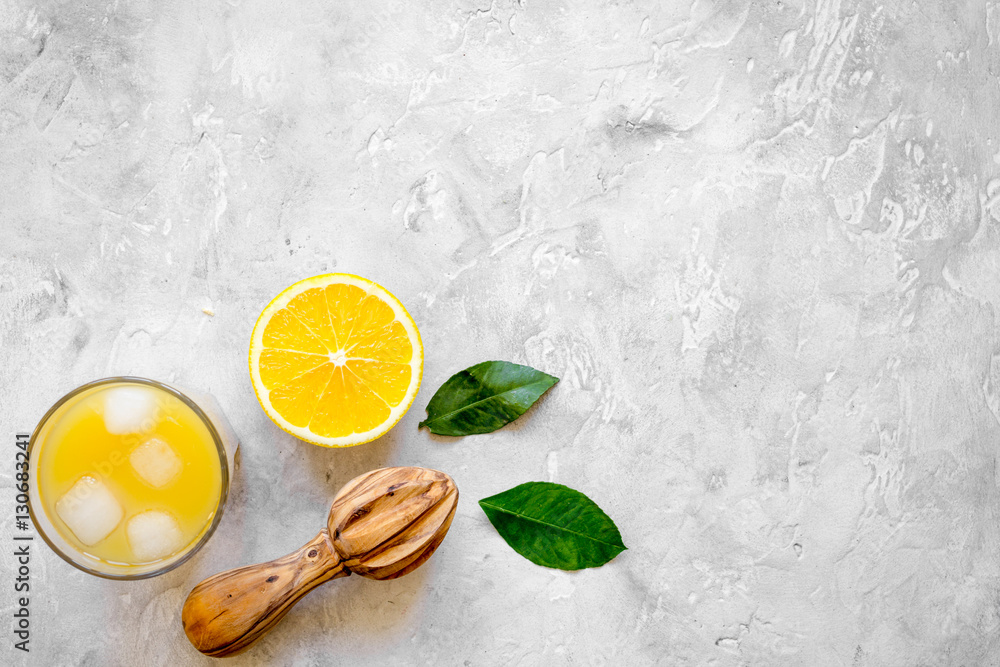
point(336, 360)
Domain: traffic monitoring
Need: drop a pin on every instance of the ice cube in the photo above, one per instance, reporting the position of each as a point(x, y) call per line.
point(153, 535)
point(129, 409)
point(90, 510)
point(155, 462)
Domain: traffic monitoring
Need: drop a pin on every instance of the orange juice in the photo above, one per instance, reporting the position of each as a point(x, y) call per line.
point(130, 476)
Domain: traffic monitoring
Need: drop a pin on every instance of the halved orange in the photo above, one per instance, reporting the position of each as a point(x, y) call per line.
point(336, 360)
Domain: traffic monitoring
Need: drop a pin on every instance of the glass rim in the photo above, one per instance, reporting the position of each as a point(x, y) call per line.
point(216, 438)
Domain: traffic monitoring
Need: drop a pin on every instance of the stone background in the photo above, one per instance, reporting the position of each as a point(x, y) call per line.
point(758, 241)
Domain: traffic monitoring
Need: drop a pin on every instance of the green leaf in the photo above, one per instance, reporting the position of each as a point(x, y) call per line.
point(554, 525)
point(484, 397)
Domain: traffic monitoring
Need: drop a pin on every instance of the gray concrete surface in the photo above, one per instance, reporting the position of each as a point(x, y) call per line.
point(758, 241)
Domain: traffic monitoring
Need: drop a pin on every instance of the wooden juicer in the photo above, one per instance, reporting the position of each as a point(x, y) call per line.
point(382, 525)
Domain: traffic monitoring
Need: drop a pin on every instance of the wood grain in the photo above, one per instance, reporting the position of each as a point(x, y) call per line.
point(381, 525)
point(228, 612)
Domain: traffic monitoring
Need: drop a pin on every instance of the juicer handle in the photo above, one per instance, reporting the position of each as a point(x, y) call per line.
point(228, 612)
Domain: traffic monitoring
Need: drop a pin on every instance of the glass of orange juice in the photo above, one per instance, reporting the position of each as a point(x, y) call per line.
point(128, 477)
